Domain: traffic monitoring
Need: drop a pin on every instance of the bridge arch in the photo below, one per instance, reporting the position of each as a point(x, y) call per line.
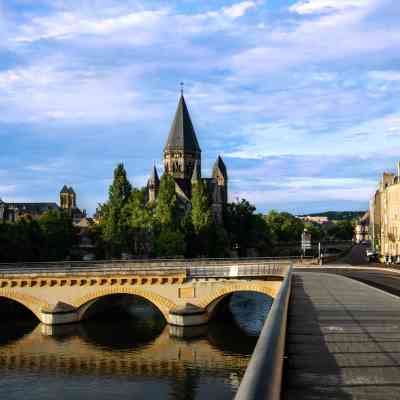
point(33, 304)
point(163, 304)
point(210, 302)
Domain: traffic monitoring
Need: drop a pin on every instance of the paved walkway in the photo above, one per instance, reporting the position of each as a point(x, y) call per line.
point(343, 340)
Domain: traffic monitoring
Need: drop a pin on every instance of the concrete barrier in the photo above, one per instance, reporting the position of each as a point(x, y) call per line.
point(263, 376)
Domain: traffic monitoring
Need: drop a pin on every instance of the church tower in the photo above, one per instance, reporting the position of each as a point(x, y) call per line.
point(153, 185)
point(221, 178)
point(67, 198)
point(182, 150)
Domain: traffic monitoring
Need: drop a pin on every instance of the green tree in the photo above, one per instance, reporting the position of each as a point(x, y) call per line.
point(169, 243)
point(316, 230)
point(167, 212)
point(341, 230)
point(284, 227)
point(59, 235)
point(245, 229)
point(140, 221)
point(201, 212)
point(114, 226)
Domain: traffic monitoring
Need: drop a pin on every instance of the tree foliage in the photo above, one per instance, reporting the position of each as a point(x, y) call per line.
point(201, 212)
point(50, 238)
point(114, 227)
point(167, 212)
point(284, 227)
point(246, 229)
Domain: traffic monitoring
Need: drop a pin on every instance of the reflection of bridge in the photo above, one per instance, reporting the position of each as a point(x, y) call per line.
point(186, 293)
point(163, 356)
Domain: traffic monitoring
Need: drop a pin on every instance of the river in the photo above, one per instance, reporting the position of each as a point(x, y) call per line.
point(133, 355)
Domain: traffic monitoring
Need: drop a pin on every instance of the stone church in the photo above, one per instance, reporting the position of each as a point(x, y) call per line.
point(182, 160)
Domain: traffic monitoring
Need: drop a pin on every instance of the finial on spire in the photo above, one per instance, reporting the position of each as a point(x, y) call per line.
point(182, 85)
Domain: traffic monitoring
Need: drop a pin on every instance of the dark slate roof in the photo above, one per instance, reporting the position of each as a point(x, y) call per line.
point(196, 172)
point(185, 186)
point(154, 176)
point(64, 189)
point(70, 190)
point(219, 164)
point(35, 208)
point(182, 135)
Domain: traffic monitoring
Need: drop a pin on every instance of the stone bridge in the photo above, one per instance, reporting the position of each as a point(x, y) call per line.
point(186, 293)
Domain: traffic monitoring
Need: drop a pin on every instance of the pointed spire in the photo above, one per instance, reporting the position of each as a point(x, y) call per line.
point(154, 177)
point(196, 173)
point(219, 165)
point(182, 135)
point(64, 189)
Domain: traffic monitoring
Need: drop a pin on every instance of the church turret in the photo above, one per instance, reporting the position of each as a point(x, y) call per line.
point(221, 177)
point(67, 198)
point(196, 175)
point(153, 185)
point(182, 149)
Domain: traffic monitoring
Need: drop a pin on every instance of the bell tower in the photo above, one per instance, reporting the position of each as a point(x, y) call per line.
point(182, 150)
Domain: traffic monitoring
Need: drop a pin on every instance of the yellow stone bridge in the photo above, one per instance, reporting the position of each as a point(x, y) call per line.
point(186, 293)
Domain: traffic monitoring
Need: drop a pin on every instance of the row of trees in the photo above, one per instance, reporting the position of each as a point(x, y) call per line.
point(130, 224)
point(48, 238)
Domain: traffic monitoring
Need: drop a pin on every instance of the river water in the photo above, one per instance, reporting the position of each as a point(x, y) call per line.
point(132, 355)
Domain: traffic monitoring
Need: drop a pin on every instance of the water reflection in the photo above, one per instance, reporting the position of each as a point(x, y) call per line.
point(135, 355)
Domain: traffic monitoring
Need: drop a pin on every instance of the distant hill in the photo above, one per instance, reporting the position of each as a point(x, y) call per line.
point(338, 215)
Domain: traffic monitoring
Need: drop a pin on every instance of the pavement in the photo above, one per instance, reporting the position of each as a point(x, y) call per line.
point(343, 338)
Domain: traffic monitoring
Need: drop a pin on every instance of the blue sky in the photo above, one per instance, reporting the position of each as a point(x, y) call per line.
point(300, 97)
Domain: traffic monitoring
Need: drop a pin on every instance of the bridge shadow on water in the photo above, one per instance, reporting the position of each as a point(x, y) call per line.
point(311, 370)
point(126, 337)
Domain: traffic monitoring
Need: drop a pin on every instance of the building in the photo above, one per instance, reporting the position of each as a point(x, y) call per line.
point(361, 229)
point(68, 205)
point(384, 216)
point(316, 219)
point(12, 211)
point(182, 160)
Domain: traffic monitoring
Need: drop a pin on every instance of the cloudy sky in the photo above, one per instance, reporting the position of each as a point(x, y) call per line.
point(301, 97)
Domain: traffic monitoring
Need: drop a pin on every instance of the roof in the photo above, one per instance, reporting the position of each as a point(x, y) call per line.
point(220, 165)
point(67, 189)
point(154, 176)
point(182, 135)
point(36, 208)
point(196, 172)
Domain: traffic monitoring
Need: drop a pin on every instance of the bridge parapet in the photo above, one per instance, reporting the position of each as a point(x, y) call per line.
point(184, 294)
point(67, 267)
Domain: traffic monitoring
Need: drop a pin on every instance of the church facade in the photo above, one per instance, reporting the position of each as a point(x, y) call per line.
point(182, 160)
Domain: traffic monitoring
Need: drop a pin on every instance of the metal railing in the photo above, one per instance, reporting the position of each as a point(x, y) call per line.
point(151, 265)
point(237, 270)
point(263, 376)
point(191, 272)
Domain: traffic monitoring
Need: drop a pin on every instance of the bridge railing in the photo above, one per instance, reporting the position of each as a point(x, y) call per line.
point(263, 376)
point(151, 265)
point(237, 270)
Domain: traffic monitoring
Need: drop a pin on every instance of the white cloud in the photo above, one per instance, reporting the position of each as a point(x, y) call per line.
point(7, 189)
point(323, 6)
point(51, 89)
point(65, 25)
point(239, 9)
point(142, 27)
point(387, 75)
